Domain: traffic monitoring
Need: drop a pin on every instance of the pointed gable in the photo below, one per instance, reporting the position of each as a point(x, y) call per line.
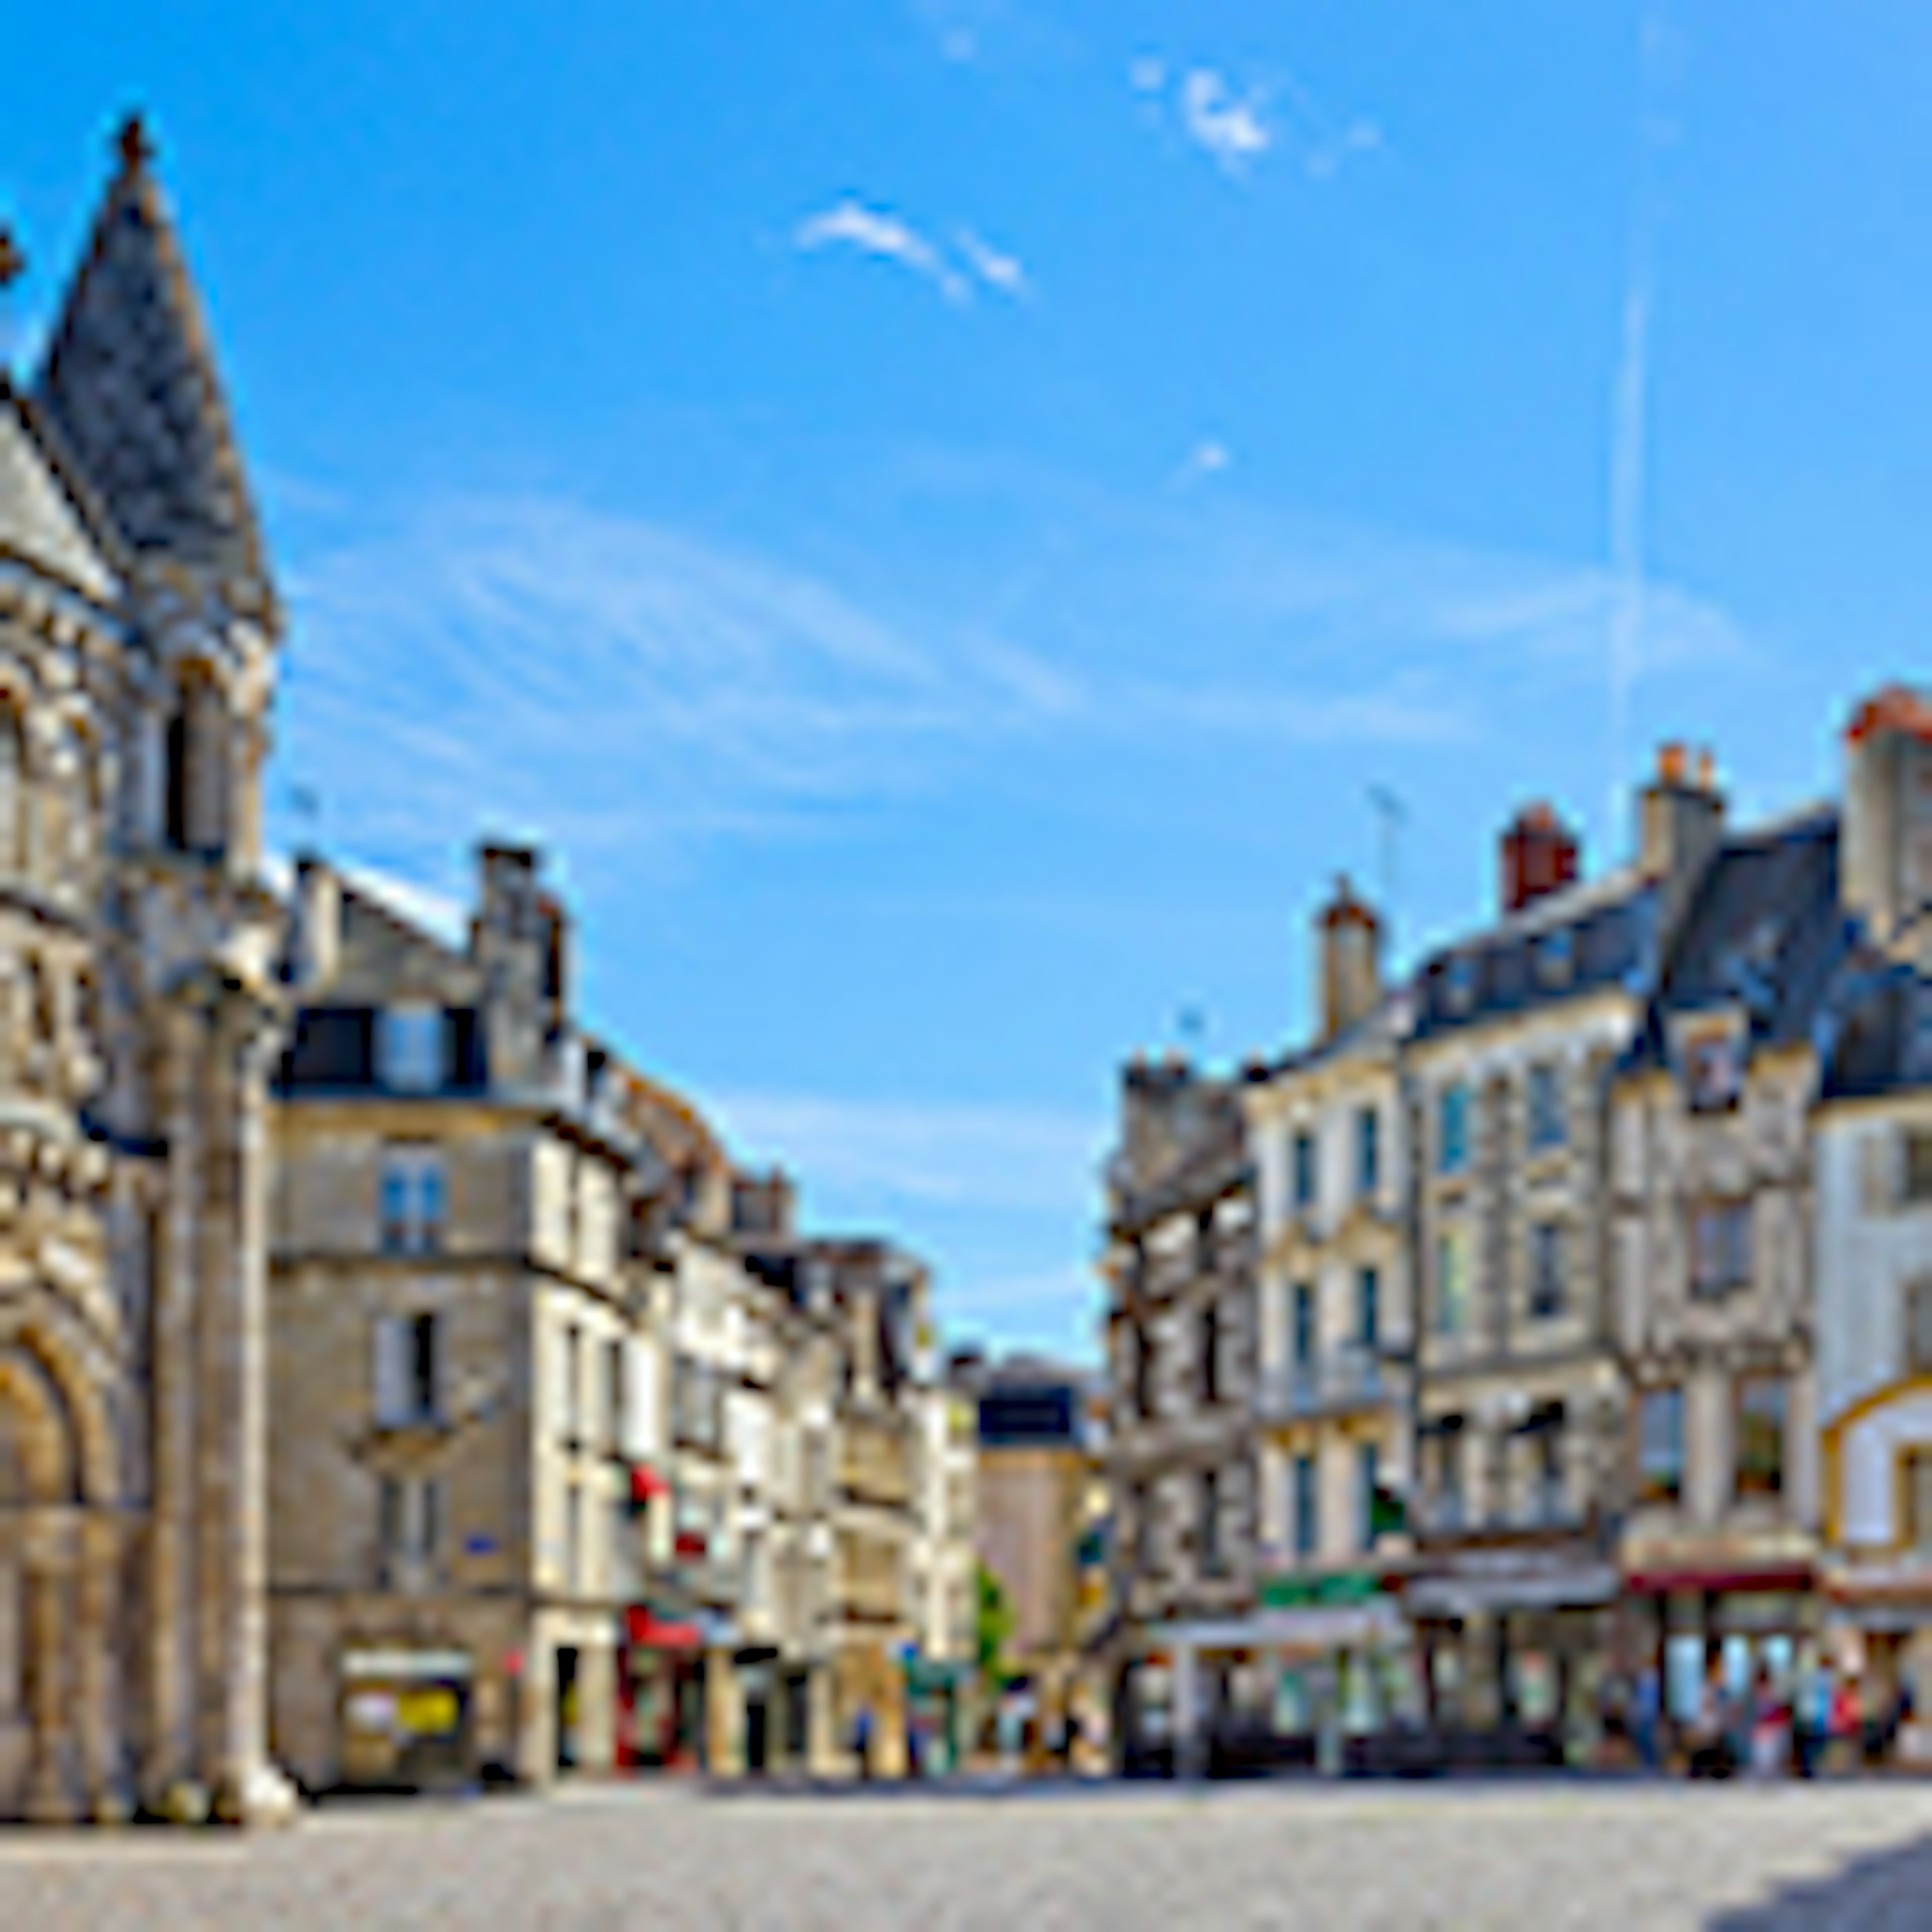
point(39, 525)
point(130, 384)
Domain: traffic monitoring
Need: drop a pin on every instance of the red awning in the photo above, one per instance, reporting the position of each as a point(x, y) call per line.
point(650, 1631)
point(646, 1483)
point(1771, 1577)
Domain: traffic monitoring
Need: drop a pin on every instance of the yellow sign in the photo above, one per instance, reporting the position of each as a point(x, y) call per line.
point(429, 1712)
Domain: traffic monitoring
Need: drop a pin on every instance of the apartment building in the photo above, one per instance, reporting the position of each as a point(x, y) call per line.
point(1182, 1338)
point(1332, 1404)
point(463, 1369)
point(1712, 1206)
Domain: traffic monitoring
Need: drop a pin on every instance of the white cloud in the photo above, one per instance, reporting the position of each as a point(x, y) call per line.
point(994, 266)
point(873, 232)
point(1207, 458)
point(1327, 158)
point(1229, 126)
point(1147, 74)
point(954, 1155)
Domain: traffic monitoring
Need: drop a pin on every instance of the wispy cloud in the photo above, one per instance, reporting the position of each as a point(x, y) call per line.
point(1208, 457)
point(1228, 124)
point(896, 1152)
point(850, 223)
point(872, 231)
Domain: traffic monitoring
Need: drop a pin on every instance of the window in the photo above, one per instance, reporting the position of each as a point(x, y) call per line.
point(1368, 1308)
point(1918, 1350)
point(1304, 1170)
point(410, 1053)
point(1368, 1480)
point(1307, 1524)
point(1544, 1435)
point(1760, 1422)
point(412, 1199)
point(571, 1405)
point(573, 1538)
point(1916, 1165)
point(1459, 983)
point(1452, 1281)
point(1368, 1152)
point(1545, 1269)
point(1452, 1129)
point(1916, 1481)
point(614, 1417)
point(1556, 957)
point(1210, 1523)
point(1660, 1454)
point(1301, 1331)
point(1442, 1450)
point(13, 791)
point(1720, 1246)
point(1144, 1372)
point(408, 1369)
point(1546, 1127)
point(1713, 1070)
point(409, 1527)
point(1211, 1352)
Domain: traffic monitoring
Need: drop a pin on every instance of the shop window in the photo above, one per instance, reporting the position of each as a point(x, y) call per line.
point(1720, 1246)
point(1760, 1435)
point(1660, 1445)
point(1547, 1129)
point(1452, 1286)
point(1452, 1129)
point(1545, 1269)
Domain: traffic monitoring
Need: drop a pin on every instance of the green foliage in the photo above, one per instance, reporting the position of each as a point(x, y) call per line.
point(993, 1627)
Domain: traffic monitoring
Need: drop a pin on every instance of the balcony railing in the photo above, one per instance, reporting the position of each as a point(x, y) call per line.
point(1351, 1377)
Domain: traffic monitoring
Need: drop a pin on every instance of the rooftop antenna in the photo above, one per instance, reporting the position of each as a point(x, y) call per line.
point(1391, 815)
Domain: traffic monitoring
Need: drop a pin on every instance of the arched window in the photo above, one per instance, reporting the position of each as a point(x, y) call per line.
point(197, 757)
point(13, 827)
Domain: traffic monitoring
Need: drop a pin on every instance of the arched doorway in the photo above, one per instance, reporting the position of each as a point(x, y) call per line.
point(39, 1523)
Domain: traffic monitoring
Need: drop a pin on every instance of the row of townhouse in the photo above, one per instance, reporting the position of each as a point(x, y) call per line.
point(392, 1379)
point(1561, 1314)
point(583, 1456)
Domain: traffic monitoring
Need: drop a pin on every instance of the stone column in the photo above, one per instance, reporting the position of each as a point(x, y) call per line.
point(1186, 1711)
point(98, 1632)
point(724, 1716)
point(234, 1363)
point(821, 1742)
point(49, 1800)
point(596, 1707)
point(170, 1608)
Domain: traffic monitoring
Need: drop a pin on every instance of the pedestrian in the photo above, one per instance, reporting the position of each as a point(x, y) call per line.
point(862, 1741)
point(1648, 1715)
point(1844, 1723)
point(1811, 1718)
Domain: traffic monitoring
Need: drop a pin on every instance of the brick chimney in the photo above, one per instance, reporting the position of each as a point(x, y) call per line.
point(1539, 854)
point(1348, 946)
point(1681, 814)
point(1885, 850)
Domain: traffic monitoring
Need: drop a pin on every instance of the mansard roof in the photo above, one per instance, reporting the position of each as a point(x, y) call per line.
point(42, 524)
point(1765, 933)
point(130, 383)
point(1594, 937)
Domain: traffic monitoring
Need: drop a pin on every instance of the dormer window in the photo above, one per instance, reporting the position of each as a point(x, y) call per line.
point(1711, 1059)
point(1556, 957)
point(409, 1048)
point(1459, 983)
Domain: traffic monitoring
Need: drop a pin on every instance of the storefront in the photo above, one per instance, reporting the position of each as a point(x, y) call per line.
point(1515, 1646)
point(660, 1691)
point(1757, 1625)
point(936, 1699)
point(406, 1722)
point(1877, 1636)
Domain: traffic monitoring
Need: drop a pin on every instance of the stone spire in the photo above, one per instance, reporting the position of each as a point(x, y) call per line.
point(130, 386)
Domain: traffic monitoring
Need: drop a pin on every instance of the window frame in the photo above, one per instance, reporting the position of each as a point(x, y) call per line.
point(1652, 1489)
point(1548, 1299)
point(1746, 1485)
point(1545, 1122)
point(1452, 1128)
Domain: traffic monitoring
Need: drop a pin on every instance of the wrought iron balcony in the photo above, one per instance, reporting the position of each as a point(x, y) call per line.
point(1338, 1379)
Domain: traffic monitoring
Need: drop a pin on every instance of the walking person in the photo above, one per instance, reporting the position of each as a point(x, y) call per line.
point(862, 1742)
point(1647, 1717)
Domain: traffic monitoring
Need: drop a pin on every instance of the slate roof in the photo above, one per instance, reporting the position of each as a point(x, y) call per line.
point(1764, 932)
point(39, 524)
point(130, 383)
point(1883, 1042)
point(1598, 934)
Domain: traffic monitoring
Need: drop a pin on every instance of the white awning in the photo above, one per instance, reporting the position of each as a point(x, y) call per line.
point(1315, 1626)
point(411, 1666)
point(1587, 1586)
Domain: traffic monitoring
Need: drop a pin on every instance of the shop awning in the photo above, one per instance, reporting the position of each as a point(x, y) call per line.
point(1585, 1586)
point(1762, 1576)
point(650, 1631)
point(407, 1666)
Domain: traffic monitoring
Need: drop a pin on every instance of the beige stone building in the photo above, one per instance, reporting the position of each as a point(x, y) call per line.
point(138, 1019)
point(466, 1376)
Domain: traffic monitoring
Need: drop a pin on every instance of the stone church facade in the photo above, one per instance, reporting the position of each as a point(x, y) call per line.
point(138, 1018)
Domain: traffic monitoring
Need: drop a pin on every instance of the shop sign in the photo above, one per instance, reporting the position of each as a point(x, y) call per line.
point(371, 1711)
point(430, 1710)
point(1347, 1589)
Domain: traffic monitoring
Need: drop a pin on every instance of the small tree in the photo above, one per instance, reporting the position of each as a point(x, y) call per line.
point(993, 1631)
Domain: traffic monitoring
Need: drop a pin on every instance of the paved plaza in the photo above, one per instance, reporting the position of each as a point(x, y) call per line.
point(1549, 1855)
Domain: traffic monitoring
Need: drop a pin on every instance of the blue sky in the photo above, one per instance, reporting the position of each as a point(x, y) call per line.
point(938, 511)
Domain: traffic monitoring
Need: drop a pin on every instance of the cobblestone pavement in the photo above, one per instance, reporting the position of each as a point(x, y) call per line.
point(1633, 1857)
